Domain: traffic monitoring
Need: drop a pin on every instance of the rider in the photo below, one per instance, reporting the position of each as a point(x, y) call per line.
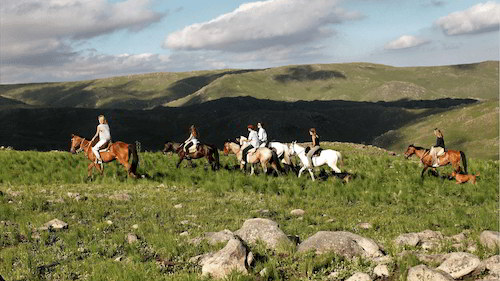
point(438, 149)
point(192, 140)
point(314, 147)
point(253, 140)
point(104, 136)
point(262, 135)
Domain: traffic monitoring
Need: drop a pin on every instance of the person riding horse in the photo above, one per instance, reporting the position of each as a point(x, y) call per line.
point(192, 140)
point(438, 149)
point(104, 134)
point(262, 135)
point(314, 147)
point(253, 139)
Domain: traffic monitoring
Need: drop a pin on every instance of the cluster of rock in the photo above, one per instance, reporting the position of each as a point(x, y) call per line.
point(236, 256)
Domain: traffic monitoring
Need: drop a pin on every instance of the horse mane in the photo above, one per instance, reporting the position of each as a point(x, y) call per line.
point(418, 147)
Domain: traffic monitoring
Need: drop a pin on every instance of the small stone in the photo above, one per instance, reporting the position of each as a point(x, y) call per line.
point(359, 276)
point(120, 258)
point(365, 225)
point(132, 238)
point(178, 206)
point(109, 222)
point(333, 275)
point(297, 212)
point(263, 272)
point(381, 270)
point(135, 226)
point(54, 224)
point(185, 233)
point(184, 222)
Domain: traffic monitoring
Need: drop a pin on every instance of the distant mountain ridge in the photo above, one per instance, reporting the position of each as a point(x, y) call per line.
point(353, 82)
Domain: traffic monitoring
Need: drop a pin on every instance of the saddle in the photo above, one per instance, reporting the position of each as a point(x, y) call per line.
point(317, 153)
point(251, 151)
point(193, 149)
point(105, 147)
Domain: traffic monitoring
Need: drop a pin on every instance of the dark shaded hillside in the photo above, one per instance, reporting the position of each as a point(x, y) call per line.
point(360, 122)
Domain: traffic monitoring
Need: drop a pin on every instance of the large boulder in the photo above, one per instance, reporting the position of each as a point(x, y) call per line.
point(343, 243)
point(423, 273)
point(231, 258)
point(490, 239)
point(264, 230)
point(407, 239)
point(459, 264)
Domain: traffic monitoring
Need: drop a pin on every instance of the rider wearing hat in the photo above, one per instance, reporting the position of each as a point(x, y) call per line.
point(253, 139)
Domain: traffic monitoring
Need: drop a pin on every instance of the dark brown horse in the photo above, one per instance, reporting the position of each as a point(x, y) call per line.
point(117, 151)
point(208, 151)
point(452, 157)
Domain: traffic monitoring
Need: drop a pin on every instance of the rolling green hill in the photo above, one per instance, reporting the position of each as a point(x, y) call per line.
point(354, 82)
point(356, 102)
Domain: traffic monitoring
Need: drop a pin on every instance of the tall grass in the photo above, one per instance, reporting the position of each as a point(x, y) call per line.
point(386, 192)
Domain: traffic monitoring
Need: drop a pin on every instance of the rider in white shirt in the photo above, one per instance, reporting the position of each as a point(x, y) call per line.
point(253, 139)
point(262, 135)
point(104, 134)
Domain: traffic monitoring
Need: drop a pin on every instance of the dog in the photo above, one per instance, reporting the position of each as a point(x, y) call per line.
point(461, 178)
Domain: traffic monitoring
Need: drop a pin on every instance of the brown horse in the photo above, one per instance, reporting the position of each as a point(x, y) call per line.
point(117, 151)
point(452, 157)
point(262, 155)
point(208, 151)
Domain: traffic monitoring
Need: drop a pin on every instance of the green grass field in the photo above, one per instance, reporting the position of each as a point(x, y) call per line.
point(386, 192)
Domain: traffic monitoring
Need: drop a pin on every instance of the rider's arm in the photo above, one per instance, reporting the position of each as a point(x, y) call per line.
point(313, 141)
point(96, 134)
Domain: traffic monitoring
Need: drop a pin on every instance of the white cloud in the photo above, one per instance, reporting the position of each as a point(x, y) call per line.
point(483, 17)
point(38, 32)
point(404, 42)
point(259, 25)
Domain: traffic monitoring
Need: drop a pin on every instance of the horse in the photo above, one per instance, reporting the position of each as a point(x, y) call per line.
point(116, 151)
point(326, 156)
point(452, 157)
point(283, 153)
point(262, 155)
point(208, 151)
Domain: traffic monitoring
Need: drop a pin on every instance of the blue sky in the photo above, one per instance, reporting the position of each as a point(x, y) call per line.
point(68, 40)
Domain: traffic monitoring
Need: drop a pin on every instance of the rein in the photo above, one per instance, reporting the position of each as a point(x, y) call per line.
point(81, 148)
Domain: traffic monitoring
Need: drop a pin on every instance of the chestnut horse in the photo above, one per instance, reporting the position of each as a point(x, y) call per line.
point(208, 151)
point(117, 151)
point(452, 157)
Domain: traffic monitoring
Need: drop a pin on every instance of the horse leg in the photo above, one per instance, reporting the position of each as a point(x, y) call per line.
point(423, 171)
point(181, 157)
point(311, 173)
point(127, 166)
point(252, 169)
point(334, 167)
point(89, 169)
point(301, 170)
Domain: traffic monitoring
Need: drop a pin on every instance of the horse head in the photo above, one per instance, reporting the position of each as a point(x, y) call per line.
point(76, 143)
point(169, 147)
point(409, 151)
point(226, 147)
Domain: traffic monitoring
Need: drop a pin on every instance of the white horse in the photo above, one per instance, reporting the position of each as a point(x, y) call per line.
point(327, 156)
point(282, 150)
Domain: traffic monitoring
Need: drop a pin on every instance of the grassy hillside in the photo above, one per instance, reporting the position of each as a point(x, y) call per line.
point(353, 82)
point(473, 129)
point(36, 187)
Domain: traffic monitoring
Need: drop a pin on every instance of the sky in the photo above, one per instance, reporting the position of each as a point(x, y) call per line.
point(71, 40)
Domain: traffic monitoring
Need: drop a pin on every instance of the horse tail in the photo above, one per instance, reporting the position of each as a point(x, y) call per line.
point(464, 160)
point(216, 155)
point(341, 160)
point(132, 150)
point(276, 160)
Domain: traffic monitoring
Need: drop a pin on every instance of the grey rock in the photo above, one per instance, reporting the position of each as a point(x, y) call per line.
point(120, 197)
point(459, 264)
point(359, 276)
point(214, 238)
point(132, 238)
point(264, 230)
point(423, 273)
point(343, 243)
point(365, 225)
point(490, 239)
point(297, 212)
point(381, 270)
point(407, 239)
point(54, 224)
point(230, 258)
